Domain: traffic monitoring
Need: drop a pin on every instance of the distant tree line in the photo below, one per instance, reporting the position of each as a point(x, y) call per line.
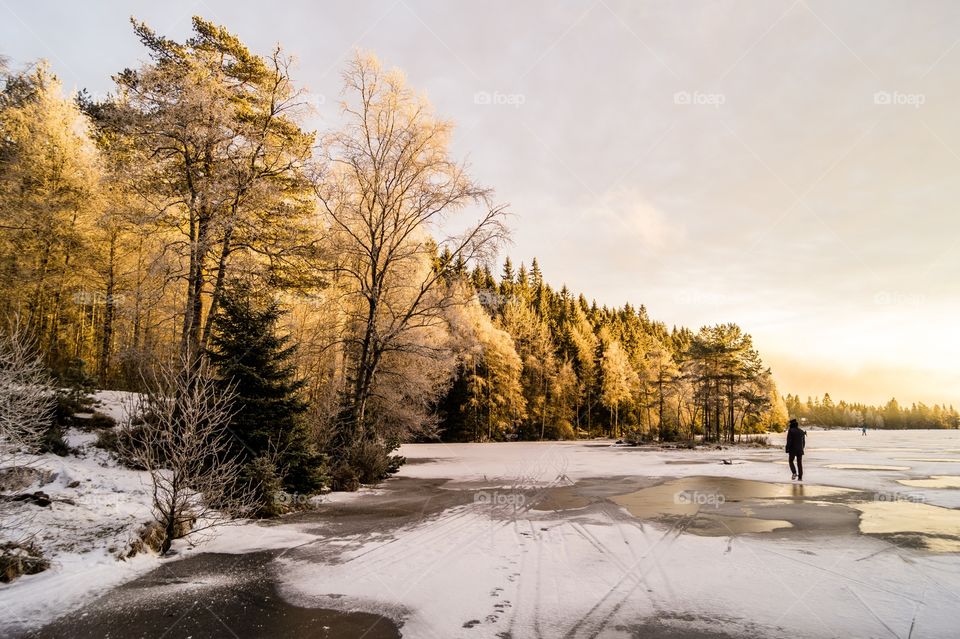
point(535, 362)
point(825, 412)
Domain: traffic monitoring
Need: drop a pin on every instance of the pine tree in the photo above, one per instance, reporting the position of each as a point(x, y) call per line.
point(269, 422)
point(508, 274)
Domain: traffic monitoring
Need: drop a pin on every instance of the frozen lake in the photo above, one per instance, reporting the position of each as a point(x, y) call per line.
point(590, 539)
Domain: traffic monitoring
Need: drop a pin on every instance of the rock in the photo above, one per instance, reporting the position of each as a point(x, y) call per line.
point(42, 499)
point(74, 483)
point(38, 498)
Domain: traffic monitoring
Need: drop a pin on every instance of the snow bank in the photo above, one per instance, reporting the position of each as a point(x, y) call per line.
point(96, 511)
point(116, 404)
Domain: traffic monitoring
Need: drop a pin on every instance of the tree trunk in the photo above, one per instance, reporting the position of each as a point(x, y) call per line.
point(660, 411)
point(106, 336)
point(730, 411)
point(193, 311)
point(217, 287)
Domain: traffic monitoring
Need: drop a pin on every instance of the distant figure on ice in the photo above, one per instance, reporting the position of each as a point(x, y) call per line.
point(863, 429)
point(795, 441)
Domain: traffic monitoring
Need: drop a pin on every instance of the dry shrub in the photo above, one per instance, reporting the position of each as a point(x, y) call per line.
point(20, 559)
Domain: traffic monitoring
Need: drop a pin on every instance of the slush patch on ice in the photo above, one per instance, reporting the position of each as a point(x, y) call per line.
point(934, 481)
point(938, 527)
point(865, 467)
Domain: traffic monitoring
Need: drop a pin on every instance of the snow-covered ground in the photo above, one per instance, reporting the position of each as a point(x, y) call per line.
point(98, 508)
point(524, 554)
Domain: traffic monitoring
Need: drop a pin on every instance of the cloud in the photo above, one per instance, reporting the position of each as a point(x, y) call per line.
point(623, 215)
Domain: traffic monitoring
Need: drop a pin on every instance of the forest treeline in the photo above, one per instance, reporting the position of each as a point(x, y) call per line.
point(190, 217)
point(825, 412)
point(545, 363)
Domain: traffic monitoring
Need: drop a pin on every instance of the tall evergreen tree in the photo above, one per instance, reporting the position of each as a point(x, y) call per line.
point(269, 429)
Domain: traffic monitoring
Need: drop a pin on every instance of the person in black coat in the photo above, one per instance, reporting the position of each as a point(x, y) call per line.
point(796, 438)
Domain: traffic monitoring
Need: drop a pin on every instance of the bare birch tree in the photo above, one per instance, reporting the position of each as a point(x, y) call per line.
point(390, 185)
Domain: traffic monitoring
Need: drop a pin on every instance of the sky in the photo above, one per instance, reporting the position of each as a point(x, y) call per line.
point(791, 166)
